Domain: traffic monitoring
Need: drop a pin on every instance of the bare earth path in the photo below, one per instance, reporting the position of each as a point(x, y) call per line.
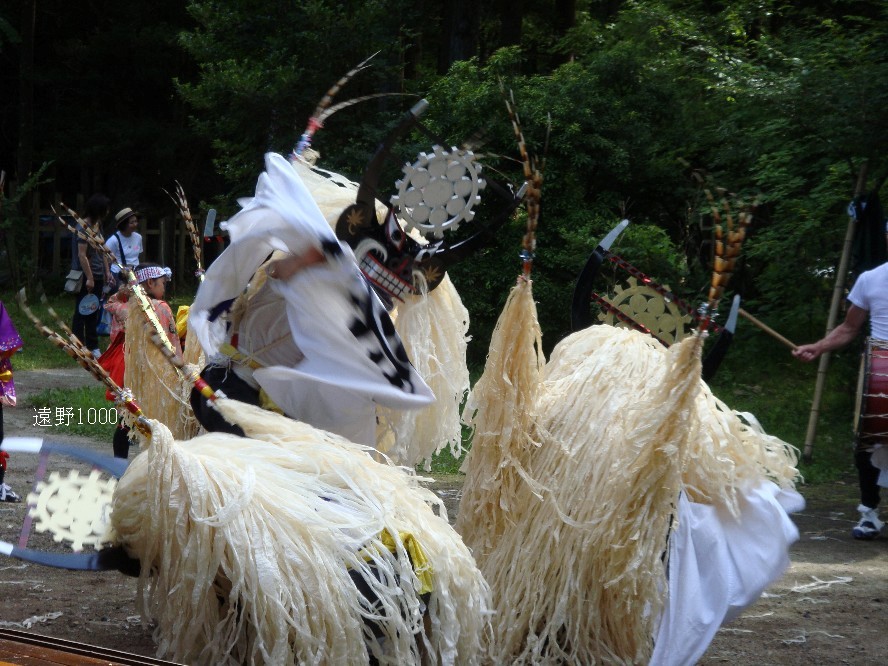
point(831, 606)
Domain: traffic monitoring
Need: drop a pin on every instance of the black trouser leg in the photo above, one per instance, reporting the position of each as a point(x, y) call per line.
point(868, 479)
point(84, 326)
point(234, 387)
point(121, 441)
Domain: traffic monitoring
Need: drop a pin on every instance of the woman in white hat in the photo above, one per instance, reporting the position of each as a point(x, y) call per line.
point(126, 243)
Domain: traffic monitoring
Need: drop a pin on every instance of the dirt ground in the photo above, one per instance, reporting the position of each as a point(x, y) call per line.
point(831, 606)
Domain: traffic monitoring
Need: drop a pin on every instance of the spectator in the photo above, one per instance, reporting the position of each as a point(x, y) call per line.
point(96, 275)
point(10, 342)
point(125, 244)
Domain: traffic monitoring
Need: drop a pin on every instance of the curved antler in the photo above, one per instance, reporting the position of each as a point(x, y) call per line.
point(580, 311)
point(316, 121)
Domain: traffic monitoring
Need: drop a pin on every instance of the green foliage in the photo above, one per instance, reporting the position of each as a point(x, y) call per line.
point(760, 377)
point(609, 151)
point(444, 464)
point(15, 230)
point(37, 353)
point(264, 67)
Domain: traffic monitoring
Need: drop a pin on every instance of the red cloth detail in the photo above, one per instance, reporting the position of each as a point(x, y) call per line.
point(112, 360)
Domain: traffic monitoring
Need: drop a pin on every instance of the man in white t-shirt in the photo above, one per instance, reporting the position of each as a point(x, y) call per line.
point(869, 299)
point(126, 243)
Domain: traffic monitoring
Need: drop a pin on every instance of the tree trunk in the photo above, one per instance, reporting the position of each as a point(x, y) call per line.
point(565, 16)
point(26, 92)
point(565, 19)
point(460, 33)
point(511, 15)
point(25, 157)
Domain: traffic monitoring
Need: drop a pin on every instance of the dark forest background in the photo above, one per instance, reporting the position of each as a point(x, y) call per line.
point(781, 103)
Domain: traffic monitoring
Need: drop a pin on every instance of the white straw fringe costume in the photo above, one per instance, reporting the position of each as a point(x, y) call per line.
point(251, 549)
point(163, 395)
point(585, 472)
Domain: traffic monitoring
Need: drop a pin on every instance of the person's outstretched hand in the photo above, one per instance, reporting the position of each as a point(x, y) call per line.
point(807, 353)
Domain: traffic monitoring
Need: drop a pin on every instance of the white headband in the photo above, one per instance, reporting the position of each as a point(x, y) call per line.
point(152, 272)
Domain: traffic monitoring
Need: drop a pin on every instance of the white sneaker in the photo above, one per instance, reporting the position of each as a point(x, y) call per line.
point(7, 494)
point(869, 526)
point(96, 353)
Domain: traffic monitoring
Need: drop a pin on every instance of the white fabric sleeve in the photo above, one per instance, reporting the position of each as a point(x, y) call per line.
point(719, 565)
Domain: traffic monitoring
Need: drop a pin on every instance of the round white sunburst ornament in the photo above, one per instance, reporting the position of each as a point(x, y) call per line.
point(74, 508)
point(439, 191)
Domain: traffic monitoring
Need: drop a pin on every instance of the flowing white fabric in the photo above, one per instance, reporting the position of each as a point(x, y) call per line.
point(720, 564)
point(353, 356)
point(879, 459)
point(434, 327)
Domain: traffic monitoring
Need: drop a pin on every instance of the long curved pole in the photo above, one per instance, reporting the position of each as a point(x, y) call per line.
point(838, 294)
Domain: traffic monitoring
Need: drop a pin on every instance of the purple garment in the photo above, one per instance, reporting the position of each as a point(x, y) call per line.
point(10, 342)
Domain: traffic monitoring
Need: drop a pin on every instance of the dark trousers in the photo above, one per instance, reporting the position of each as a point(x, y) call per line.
point(84, 326)
point(121, 441)
point(867, 478)
point(233, 387)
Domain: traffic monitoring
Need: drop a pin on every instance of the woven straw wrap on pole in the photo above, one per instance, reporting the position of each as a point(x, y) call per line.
point(252, 540)
point(163, 395)
point(500, 410)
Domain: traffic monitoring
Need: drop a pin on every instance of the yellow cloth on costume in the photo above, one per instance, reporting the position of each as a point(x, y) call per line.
point(239, 357)
point(421, 566)
point(182, 320)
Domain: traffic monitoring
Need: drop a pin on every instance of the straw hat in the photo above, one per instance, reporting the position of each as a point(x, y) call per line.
point(123, 215)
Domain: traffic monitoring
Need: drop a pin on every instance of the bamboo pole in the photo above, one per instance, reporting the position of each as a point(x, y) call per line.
point(838, 293)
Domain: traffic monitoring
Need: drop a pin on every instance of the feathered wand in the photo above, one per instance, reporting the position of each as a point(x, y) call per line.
point(533, 177)
point(182, 202)
point(500, 406)
point(158, 335)
point(72, 346)
point(323, 110)
point(729, 236)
